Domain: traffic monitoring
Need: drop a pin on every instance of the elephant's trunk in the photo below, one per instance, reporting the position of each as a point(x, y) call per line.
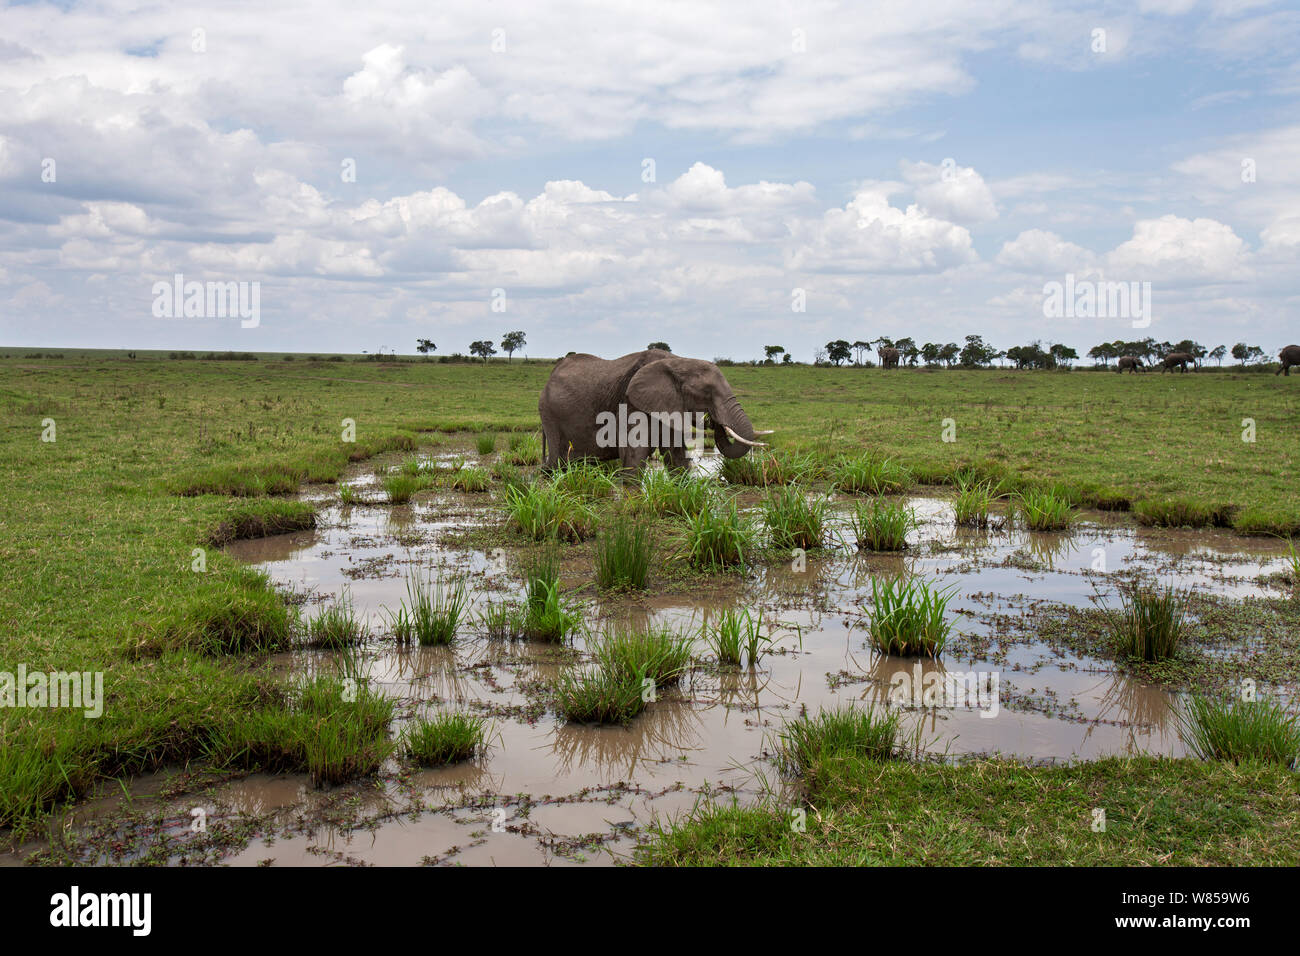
point(728, 414)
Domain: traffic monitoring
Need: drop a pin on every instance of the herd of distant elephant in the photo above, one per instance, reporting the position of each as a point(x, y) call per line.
point(1288, 357)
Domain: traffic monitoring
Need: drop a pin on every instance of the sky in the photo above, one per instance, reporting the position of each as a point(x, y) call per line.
point(719, 176)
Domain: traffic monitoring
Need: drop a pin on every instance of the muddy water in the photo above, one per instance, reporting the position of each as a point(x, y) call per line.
point(547, 792)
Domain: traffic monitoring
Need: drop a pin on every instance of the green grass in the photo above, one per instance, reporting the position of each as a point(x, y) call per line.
point(794, 519)
point(907, 617)
point(624, 552)
point(333, 729)
point(525, 450)
point(765, 468)
point(865, 474)
point(337, 625)
point(674, 494)
point(433, 610)
point(656, 653)
point(1045, 510)
point(737, 637)
point(501, 620)
point(444, 739)
point(486, 443)
point(542, 511)
point(401, 487)
point(973, 507)
point(630, 666)
point(130, 488)
point(546, 615)
point(235, 614)
point(717, 537)
point(880, 525)
point(473, 479)
point(1238, 730)
point(593, 695)
point(583, 479)
point(348, 495)
point(865, 812)
point(1149, 625)
point(1179, 512)
point(260, 518)
point(806, 743)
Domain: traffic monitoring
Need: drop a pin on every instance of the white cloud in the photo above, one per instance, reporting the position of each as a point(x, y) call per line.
point(1172, 248)
point(1042, 252)
point(949, 191)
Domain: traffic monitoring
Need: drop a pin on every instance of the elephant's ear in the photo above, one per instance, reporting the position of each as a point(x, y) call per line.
point(656, 387)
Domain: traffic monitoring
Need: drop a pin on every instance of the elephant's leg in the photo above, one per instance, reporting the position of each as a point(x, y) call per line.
point(675, 458)
point(632, 460)
point(556, 447)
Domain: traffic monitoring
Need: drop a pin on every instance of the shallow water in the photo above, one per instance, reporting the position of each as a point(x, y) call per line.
point(550, 792)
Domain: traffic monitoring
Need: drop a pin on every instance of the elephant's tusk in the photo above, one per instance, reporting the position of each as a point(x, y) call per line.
point(770, 431)
point(744, 441)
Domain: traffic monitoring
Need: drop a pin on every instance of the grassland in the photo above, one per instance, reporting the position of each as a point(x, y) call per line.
point(156, 458)
point(862, 812)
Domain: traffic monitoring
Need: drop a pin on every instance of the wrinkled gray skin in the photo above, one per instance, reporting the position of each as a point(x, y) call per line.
point(1288, 356)
point(1179, 359)
point(581, 386)
point(888, 357)
point(1130, 362)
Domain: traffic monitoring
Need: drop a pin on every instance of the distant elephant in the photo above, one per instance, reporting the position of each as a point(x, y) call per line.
point(1289, 356)
point(888, 357)
point(586, 394)
point(1179, 359)
point(1130, 362)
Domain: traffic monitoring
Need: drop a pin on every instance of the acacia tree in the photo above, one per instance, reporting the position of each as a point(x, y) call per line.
point(859, 347)
point(839, 351)
point(659, 345)
point(512, 343)
point(772, 351)
point(483, 348)
point(424, 346)
point(1217, 353)
point(907, 349)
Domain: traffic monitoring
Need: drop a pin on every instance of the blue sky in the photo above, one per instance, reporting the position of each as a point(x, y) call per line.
point(501, 146)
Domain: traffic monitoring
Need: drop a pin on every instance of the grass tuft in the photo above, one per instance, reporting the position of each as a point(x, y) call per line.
point(880, 525)
point(442, 740)
point(1237, 730)
point(907, 618)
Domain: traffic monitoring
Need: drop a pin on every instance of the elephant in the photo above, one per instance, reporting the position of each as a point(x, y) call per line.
point(1179, 359)
point(654, 397)
point(1130, 362)
point(1288, 356)
point(888, 357)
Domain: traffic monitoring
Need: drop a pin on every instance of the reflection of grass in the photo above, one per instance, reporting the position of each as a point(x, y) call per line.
point(1236, 730)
